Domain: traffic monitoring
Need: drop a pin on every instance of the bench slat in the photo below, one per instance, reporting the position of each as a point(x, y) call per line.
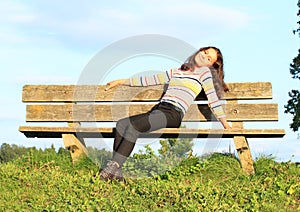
point(92, 132)
point(96, 93)
point(108, 113)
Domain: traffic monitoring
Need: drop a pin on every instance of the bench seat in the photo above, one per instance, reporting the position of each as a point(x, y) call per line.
point(108, 132)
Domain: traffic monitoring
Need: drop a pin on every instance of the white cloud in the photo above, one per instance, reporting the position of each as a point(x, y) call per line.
point(13, 12)
point(94, 22)
point(45, 79)
point(196, 14)
point(11, 36)
point(23, 18)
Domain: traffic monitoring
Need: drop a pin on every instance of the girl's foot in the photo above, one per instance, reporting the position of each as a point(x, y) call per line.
point(112, 171)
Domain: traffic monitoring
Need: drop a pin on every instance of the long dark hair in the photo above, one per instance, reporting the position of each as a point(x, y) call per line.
point(217, 70)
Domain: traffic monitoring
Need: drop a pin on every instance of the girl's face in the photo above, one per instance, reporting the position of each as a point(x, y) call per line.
point(206, 57)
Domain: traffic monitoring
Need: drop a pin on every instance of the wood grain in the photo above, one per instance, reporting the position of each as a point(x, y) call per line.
point(102, 132)
point(96, 93)
point(108, 113)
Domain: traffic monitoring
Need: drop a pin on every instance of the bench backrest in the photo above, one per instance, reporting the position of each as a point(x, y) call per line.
point(90, 103)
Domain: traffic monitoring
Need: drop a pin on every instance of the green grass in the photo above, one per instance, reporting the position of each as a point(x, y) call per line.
point(47, 181)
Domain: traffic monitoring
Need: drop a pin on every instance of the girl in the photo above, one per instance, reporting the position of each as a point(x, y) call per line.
point(202, 70)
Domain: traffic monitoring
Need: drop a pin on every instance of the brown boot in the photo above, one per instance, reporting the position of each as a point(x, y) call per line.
point(119, 175)
point(108, 173)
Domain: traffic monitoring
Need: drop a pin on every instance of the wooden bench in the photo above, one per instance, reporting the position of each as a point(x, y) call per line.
point(75, 104)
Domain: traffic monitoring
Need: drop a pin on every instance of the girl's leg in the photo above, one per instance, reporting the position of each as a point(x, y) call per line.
point(127, 132)
point(129, 129)
point(121, 149)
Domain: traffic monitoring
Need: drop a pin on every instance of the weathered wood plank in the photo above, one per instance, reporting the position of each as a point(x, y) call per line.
point(244, 153)
point(253, 90)
point(106, 113)
point(99, 132)
point(75, 146)
point(96, 93)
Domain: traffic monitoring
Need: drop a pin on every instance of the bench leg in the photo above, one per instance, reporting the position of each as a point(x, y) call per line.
point(242, 147)
point(75, 146)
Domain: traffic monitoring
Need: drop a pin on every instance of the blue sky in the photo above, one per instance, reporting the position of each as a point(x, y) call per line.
point(51, 42)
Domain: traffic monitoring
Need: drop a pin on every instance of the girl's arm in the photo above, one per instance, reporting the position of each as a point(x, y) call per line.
point(156, 79)
point(115, 83)
point(225, 123)
point(213, 100)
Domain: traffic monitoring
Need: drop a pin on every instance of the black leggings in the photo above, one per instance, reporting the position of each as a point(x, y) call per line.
point(129, 129)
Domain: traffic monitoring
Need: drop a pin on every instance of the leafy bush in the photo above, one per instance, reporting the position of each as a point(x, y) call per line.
point(49, 181)
point(11, 152)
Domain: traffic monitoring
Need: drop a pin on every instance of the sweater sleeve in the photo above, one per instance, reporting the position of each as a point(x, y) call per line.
point(207, 84)
point(156, 79)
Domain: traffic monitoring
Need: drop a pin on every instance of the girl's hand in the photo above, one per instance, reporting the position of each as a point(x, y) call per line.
point(115, 83)
point(227, 126)
point(225, 123)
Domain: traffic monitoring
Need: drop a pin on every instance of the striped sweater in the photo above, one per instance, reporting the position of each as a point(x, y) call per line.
point(184, 86)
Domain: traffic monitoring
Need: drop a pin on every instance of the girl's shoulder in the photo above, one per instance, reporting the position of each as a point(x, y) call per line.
point(173, 71)
point(197, 71)
point(203, 71)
